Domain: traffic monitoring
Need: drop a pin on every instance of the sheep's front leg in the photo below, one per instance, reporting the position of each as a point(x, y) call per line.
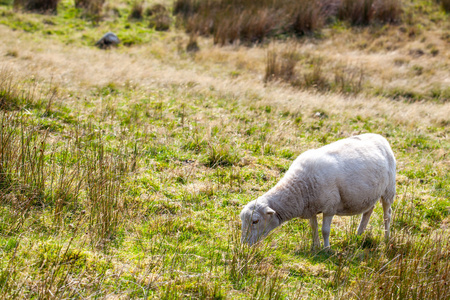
point(365, 220)
point(326, 225)
point(315, 233)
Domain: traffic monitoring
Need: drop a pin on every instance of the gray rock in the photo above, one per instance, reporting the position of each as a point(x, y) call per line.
point(107, 41)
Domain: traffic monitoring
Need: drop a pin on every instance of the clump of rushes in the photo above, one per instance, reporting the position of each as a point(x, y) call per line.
point(160, 18)
point(92, 8)
point(44, 6)
point(388, 11)
point(137, 11)
point(281, 66)
point(445, 4)
point(357, 12)
point(247, 21)
point(192, 45)
point(104, 174)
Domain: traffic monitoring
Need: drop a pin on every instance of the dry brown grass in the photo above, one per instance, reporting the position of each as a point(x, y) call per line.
point(37, 5)
point(88, 67)
point(231, 21)
point(445, 4)
point(137, 11)
point(93, 8)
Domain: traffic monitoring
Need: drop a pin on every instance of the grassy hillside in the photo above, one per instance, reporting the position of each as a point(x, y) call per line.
point(123, 171)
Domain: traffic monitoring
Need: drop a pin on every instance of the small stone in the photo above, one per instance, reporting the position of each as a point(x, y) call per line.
point(107, 41)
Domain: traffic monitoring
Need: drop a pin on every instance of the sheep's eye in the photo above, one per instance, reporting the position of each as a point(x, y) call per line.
point(255, 222)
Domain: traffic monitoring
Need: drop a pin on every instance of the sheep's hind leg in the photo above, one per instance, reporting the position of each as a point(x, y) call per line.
point(365, 220)
point(326, 225)
point(315, 233)
point(387, 211)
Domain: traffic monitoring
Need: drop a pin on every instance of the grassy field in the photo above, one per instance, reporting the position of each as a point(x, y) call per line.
point(123, 171)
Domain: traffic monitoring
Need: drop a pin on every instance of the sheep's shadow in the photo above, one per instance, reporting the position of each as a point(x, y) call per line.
point(354, 250)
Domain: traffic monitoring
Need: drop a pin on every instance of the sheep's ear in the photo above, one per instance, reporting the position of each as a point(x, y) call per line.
point(269, 211)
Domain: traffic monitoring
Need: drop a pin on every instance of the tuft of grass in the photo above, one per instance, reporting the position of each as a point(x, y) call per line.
point(92, 8)
point(137, 11)
point(104, 207)
point(422, 263)
point(43, 6)
point(309, 16)
point(316, 78)
point(348, 80)
point(281, 66)
point(220, 154)
point(160, 18)
point(357, 12)
point(445, 5)
point(192, 45)
point(155, 9)
point(388, 11)
point(231, 21)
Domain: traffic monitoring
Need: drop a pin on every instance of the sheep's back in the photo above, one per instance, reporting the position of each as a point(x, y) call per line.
point(348, 176)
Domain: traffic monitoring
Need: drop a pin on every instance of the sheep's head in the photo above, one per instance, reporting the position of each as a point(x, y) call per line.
point(258, 219)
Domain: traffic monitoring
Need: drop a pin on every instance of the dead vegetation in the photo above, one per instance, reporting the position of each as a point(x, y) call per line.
point(43, 6)
point(230, 21)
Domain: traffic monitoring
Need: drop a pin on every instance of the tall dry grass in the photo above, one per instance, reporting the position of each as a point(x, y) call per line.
point(247, 21)
point(281, 66)
point(92, 8)
point(137, 10)
point(37, 5)
point(445, 4)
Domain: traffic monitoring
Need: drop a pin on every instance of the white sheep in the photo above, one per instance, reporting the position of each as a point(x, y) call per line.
point(343, 178)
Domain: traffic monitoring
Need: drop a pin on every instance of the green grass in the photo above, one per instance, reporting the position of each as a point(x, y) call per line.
point(133, 191)
point(143, 202)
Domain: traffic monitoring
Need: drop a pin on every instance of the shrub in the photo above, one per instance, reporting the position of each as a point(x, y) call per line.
point(37, 5)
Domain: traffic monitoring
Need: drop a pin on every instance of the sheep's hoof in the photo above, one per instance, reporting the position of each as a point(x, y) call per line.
point(315, 247)
point(327, 250)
